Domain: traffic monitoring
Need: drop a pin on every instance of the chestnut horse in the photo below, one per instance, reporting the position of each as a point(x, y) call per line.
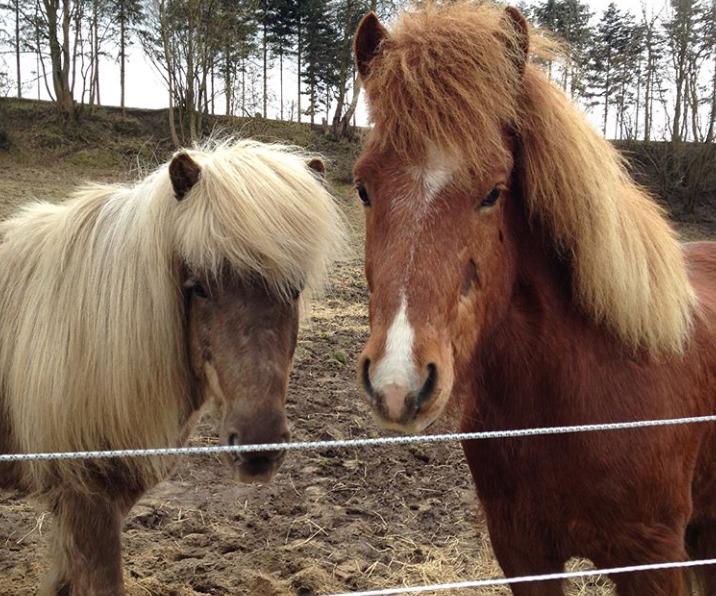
point(514, 265)
point(124, 308)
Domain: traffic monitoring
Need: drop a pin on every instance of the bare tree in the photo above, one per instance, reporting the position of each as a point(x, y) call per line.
point(709, 41)
point(57, 16)
point(182, 39)
point(680, 30)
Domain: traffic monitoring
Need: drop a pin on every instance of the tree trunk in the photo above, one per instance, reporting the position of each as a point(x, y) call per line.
point(638, 101)
point(17, 48)
point(75, 45)
point(676, 125)
point(694, 107)
point(68, 101)
point(680, 77)
point(168, 58)
point(607, 90)
point(40, 59)
point(172, 125)
point(346, 120)
point(328, 111)
point(280, 77)
point(298, 57)
point(648, 96)
point(94, 55)
point(122, 52)
point(357, 87)
point(98, 99)
point(60, 55)
point(265, 58)
point(189, 99)
point(37, 67)
point(712, 122)
point(338, 114)
point(227, 79)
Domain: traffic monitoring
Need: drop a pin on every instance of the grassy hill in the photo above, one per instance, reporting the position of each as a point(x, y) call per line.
point(32, 132)
point(106, 140)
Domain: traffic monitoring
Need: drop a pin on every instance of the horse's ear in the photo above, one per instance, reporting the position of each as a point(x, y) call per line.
point(316, 164)
point(519, 41)
point(366, 44)
point(184, 173)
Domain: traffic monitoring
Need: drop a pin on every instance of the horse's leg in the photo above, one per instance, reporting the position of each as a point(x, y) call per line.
point(88, 544)
point(640, 545)
point(701, 540)
point(57, 581)
point(518, 559)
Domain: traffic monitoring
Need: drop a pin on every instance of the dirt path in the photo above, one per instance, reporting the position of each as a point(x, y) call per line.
point(330, 521)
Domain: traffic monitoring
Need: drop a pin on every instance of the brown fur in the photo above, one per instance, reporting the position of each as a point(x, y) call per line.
point(458, 70)
point(567, 302)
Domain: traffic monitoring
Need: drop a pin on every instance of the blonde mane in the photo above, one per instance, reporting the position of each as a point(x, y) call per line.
point(446, 77)
point(92, 346)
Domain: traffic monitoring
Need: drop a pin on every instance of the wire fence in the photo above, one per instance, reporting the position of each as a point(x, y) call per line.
point(347, 443)
point(405, 440)
point(508, 581)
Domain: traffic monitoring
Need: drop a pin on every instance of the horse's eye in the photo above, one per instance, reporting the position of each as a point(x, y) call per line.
point(491, 198)
point(363, 194)
point(199, 290)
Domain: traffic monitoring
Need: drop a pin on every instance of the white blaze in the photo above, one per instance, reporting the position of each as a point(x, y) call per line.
point(397, 367)
point(436, 174)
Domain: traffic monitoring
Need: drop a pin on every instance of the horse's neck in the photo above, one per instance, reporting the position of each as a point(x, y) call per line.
point(544, 347)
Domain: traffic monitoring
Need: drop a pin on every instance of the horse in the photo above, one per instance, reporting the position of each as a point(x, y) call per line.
point(518, 277)
point(127, 307)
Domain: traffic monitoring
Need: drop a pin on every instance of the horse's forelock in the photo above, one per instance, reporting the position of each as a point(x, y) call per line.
point(261, 209)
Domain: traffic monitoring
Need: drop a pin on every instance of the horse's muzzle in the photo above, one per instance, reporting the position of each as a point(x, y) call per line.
point(257, 466)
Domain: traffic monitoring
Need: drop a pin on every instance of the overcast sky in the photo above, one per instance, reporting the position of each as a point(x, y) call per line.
point(145, 88)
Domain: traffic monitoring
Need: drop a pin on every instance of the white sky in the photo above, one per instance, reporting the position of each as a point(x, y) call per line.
point(145, 88)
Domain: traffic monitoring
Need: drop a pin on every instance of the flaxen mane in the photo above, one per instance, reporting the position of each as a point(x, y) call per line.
point(446, 77)
point(92, 346)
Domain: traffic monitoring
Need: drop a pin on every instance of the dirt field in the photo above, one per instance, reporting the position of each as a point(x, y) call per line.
point(331, 521)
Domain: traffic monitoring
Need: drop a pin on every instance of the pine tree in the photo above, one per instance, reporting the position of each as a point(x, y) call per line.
point(126, 14)
point(681, 32)
point(604, 78)
point(319, 42)
point(572, 26)
point(709, 40)
point(282, 24)
point(654, 54)
point(236, 43)
point(628, 76)
point(546, 15)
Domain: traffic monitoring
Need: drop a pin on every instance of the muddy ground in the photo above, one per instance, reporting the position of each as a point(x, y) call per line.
point(331, 521)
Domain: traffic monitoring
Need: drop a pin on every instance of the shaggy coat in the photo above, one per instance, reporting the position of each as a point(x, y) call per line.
point(96, 329)
point(517, 270)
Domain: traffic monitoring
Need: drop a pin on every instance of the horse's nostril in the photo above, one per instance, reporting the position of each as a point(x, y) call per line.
point(263, 458)
point(367, 385)
point(428, 388)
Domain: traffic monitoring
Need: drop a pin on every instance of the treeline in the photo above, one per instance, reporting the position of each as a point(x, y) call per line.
point(214, 56)
point(633, 67)
point(648, 76)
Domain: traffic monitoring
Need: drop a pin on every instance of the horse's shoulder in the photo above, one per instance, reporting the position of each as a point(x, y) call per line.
point(701, 263)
